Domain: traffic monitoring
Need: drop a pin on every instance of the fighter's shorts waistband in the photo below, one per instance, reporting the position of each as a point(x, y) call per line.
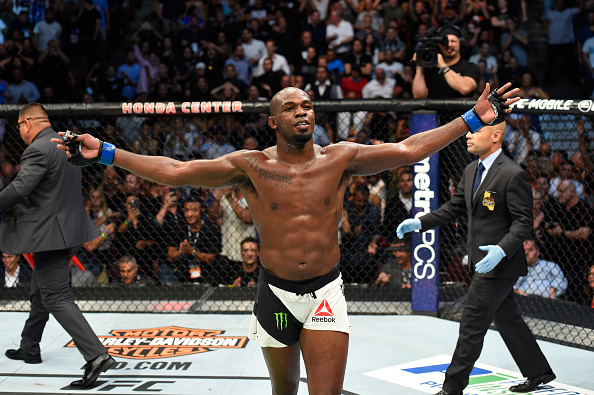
point(300, 287)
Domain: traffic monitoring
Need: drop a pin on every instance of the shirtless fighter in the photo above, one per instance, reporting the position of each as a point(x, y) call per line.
point(295, 193)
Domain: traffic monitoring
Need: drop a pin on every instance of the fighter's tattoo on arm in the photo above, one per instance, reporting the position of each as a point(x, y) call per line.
point(281, 181)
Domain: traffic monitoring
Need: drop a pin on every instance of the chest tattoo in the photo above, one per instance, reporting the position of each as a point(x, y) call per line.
point(281, 181)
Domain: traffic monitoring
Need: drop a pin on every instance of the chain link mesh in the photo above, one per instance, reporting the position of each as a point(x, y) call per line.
point(147, 223)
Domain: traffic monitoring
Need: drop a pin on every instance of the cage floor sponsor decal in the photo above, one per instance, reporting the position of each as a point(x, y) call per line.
point(427, 375)
point(165, 342)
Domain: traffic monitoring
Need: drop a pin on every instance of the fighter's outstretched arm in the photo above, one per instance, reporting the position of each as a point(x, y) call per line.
point(211, 173)
point(489, 108)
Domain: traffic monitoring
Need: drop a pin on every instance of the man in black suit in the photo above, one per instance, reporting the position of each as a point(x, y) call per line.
point(496, 194)
point(43, 213)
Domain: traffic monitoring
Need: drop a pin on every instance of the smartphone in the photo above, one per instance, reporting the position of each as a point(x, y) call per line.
point(134, 203)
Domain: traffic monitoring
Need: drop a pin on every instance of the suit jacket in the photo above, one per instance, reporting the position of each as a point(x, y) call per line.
point(42, 208)
point(500, 214)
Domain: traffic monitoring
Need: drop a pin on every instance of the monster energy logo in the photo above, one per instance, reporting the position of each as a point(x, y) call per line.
point(281, 321)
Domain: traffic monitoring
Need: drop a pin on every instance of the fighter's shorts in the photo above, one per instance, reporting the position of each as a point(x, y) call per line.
point(284, 307)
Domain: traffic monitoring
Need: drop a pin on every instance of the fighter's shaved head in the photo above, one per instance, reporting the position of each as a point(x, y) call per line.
point(281, 96)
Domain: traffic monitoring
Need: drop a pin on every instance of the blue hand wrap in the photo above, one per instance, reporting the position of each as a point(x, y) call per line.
point(473, 121)
point(107, 153)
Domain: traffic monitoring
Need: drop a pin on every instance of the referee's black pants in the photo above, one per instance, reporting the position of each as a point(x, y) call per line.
point(492, 300)
point(51, 294)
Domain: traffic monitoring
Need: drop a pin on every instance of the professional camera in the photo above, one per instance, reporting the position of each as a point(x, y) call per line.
point(429, 49)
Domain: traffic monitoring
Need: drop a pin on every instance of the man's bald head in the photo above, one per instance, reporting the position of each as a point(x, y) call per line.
point(497, 131)
point(281, 96)
point(500, 127)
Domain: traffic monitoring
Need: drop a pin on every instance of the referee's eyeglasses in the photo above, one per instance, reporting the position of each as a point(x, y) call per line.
point(19, 123)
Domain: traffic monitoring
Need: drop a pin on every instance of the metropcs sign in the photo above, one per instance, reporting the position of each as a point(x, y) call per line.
point(425, 245)
point(424, 253)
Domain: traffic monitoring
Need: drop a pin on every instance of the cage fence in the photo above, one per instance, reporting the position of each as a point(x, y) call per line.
point(138, 265)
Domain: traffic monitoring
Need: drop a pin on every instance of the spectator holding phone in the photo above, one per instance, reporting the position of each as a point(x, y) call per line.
point(230, 211)
point(97, 251)
point(136, 234)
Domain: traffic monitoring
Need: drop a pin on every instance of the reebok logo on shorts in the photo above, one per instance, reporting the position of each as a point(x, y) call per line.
point(323, 313)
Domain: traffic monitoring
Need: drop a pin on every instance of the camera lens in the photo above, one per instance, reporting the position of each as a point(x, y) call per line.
point(427, 57)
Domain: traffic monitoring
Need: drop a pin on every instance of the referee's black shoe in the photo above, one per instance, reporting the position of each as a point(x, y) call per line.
point(532, 383)
point(23, 356)
point(93, 369)
point(442, 392)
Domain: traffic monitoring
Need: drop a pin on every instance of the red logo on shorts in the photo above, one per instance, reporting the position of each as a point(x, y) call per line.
point(324, 310)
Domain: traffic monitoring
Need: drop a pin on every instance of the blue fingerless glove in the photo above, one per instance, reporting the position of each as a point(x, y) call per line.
point(408, 225)
point(493, 257)
point(475, 123)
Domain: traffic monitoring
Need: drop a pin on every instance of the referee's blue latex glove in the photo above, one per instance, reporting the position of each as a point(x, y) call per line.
point(408, 225)
point(488, 263)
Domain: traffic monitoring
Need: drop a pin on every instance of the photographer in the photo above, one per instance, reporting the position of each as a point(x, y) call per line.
point(441, 71)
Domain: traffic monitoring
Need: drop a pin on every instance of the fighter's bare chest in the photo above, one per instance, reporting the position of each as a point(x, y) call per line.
point(271, 180)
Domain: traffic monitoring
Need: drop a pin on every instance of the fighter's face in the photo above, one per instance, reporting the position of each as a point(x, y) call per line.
point(293, 115)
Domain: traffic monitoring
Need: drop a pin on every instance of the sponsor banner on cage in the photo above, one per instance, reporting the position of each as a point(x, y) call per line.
point(425, 246)
point(427, 375)
point(195, 107)
point(569, 106)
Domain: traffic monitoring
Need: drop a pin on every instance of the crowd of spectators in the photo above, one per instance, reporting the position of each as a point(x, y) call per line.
point(247, 50)
point(56, 51)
